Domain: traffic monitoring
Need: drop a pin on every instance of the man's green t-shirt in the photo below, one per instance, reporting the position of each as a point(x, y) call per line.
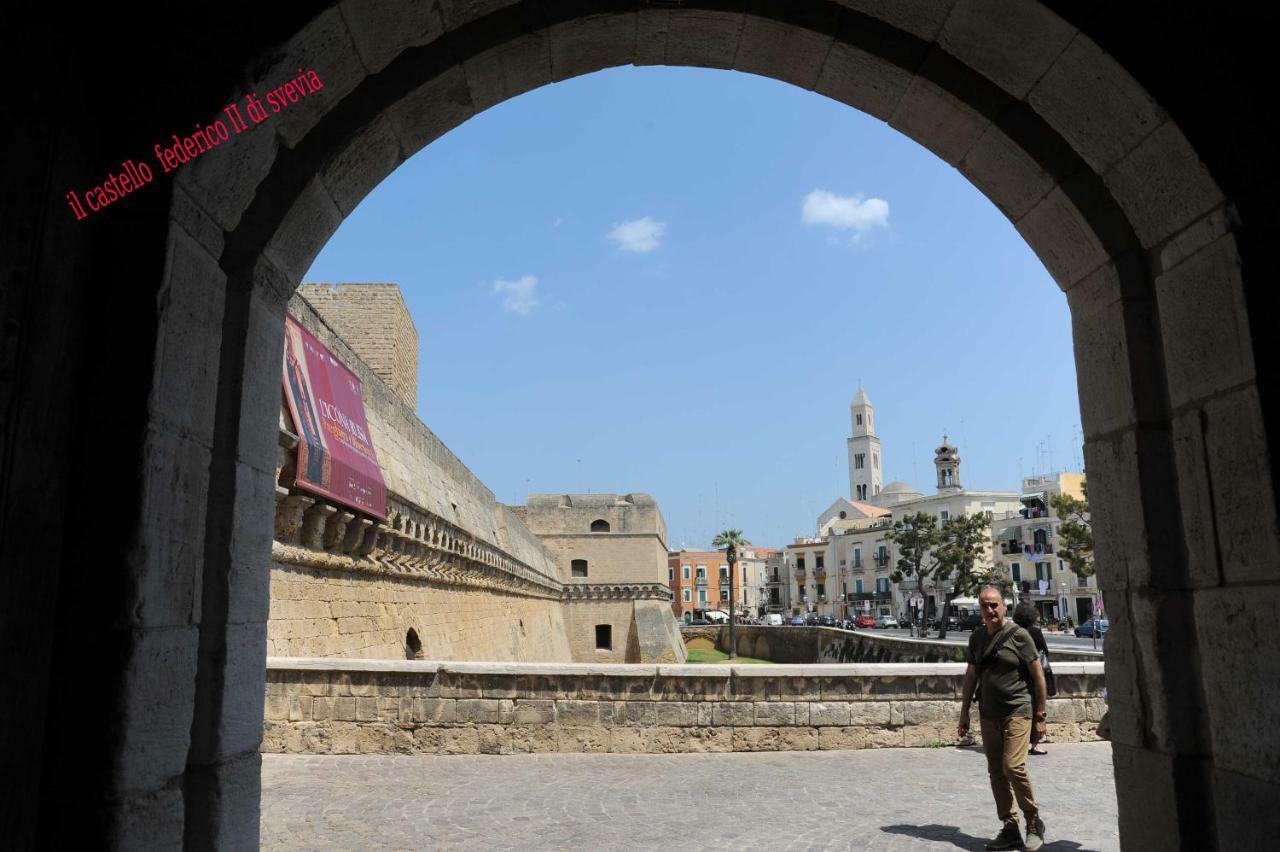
point(1003, 690)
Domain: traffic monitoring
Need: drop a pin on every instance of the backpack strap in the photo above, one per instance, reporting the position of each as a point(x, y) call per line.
point(996, 646)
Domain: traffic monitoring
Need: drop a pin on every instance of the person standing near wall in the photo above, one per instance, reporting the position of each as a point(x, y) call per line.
point(997, 657)
point(1026, 617)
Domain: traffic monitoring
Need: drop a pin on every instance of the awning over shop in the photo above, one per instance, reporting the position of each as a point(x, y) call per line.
point(336, 458)
point(1038, 496)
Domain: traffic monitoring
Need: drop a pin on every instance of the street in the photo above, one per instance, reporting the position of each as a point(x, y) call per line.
point(1065, 641)
point(880, 800)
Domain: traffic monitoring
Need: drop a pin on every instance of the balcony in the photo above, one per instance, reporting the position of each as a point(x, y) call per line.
point(702, 581)
point(881, 561)
point(820, 573)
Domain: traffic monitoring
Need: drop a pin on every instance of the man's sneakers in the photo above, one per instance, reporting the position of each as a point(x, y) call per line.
point(1035, 834)
point(1008, 838)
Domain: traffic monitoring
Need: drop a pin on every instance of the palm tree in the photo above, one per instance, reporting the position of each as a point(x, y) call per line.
point(733, 542)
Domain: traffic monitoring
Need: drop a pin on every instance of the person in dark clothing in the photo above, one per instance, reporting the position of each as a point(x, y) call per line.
point(1027, 617)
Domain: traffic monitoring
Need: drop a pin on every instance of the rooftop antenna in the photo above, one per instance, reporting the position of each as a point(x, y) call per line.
point(1049, 440)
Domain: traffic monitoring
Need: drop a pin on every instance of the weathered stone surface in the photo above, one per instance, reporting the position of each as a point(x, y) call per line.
point(1162, 185)
point(756, 739)
point(842, 738)
point(1061, 236)
point(938, 120)
point(797, 739)
point(1005, 173)
point(1010, 43)
point(588, 44)
point(1205, 358)
point(630, 740)
point(784, 52)
point(732, 713)
point(775, 713)
point(863, 81)
point(1095, 104)
point(487, 710)
point(708, 739)
point(681, 713)
point(528, 711)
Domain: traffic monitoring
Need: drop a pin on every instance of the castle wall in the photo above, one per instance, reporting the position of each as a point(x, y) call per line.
point(374, 321)
point(343, 613)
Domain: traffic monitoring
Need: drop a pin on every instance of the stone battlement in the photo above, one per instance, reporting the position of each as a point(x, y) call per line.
point(337, 706)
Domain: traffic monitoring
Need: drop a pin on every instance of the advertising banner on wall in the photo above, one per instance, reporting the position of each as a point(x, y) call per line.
point(336, 458)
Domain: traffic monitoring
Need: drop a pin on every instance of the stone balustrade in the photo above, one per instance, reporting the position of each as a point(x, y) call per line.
point(348, 706)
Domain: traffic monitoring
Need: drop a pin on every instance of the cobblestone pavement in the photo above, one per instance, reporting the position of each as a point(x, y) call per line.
point(874, 799)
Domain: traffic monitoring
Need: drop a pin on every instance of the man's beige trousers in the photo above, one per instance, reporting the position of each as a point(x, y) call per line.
point(1005, 742)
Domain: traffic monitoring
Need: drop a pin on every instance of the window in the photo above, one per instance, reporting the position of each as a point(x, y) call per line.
point(1061, 567)
point(724, 594)
point(858, 459)
point(857, 587)
point(578, 567)
point(724, 573)
point(604, 637)
point(843, 515)
point(1017, 572)
point(859, 416)
point(600, 525)
point(818, 559)
point(822, 590)
point(1044, 571)
point(702, 573)
point(702, 596)
point(882, 585)
point(875, 460)
point(943, 515)
point(862, 492)
point(799, 563)
point(671, 576)
point(1082, 581)
point(412, 645)
point(688, 595)
point(685, 570)
point(857, 557)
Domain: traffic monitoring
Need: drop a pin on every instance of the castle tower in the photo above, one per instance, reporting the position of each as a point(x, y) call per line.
point(947, 460)
point(864, 449)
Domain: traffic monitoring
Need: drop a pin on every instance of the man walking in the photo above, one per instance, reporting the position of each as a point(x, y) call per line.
point(1002, 657)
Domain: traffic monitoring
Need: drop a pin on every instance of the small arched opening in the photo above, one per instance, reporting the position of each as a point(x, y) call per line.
point(412, 645)
point(599, 525)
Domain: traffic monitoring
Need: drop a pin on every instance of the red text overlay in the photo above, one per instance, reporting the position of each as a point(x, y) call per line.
point(175, 151)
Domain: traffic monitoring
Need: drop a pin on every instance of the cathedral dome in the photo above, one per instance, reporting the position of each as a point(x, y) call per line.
point(898, 487)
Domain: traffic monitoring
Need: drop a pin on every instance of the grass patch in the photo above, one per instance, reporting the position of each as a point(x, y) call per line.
point(711, 655)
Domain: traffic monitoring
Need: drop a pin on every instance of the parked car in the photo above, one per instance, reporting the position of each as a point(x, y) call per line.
point(971, 621)
point(886, 621)
point(864, 621)
point(826, 621)
point(797, 621)
point(1086, 629)
point(699, 622)
point(773, 619)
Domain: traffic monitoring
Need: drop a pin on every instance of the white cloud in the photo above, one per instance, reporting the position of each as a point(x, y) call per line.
point(638, 235)
point(518, 297)
point(854, 213)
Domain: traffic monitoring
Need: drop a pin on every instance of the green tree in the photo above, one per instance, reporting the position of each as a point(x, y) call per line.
point(963, 553)
point(733, 544)
point(915, 536)
point(947, 555)
point(1075, 533)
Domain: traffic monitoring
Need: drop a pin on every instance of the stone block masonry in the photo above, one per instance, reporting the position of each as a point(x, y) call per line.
point(335, 706)
point(374, 321)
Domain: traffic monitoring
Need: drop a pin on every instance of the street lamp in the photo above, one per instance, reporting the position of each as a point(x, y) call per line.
point(731, 553)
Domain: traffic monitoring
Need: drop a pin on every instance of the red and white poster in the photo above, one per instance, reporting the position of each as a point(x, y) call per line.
point(335, 452)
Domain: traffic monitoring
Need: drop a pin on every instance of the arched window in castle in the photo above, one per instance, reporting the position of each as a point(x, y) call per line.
point(578, 567)
point(412, 645)
point(600, 525)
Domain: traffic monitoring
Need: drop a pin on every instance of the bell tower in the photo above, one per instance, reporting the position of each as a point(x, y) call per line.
point(864, 449)
point(947, 460)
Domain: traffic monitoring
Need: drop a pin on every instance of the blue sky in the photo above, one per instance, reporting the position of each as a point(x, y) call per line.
point(671, 281)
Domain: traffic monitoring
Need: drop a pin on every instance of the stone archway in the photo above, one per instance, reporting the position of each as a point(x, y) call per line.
point(1093, 172)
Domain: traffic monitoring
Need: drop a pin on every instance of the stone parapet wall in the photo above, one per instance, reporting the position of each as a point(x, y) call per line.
point(376, 707)
point(830, 645)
